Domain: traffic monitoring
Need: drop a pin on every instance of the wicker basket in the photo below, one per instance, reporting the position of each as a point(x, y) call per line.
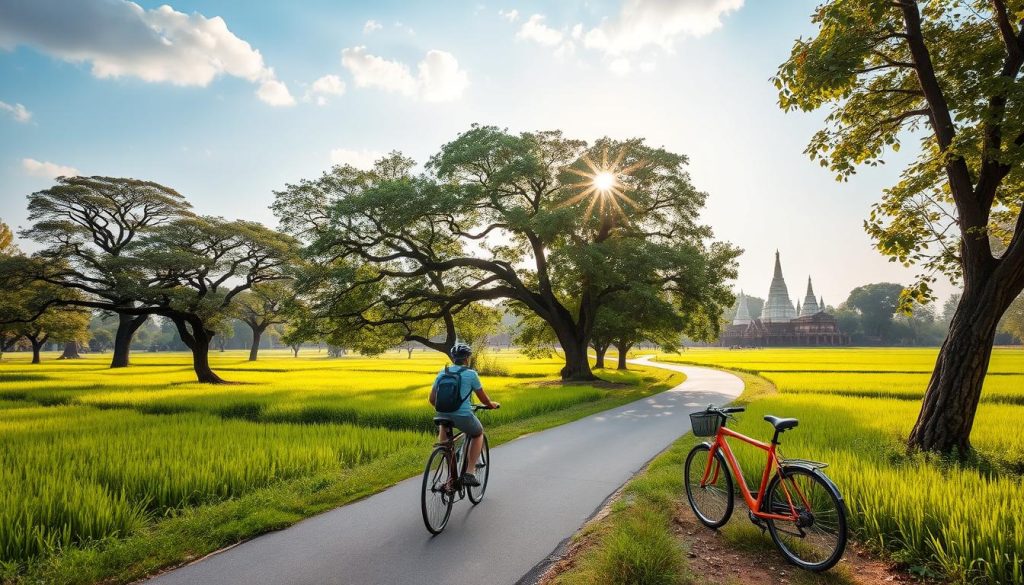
point(705, 424)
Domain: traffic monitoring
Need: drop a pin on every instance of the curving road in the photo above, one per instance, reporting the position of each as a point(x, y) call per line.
point(543, 487)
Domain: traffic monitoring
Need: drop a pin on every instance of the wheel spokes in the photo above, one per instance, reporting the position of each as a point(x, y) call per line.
point(816, 535)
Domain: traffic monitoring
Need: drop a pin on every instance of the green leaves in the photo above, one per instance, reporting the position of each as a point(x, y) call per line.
point(944, 73)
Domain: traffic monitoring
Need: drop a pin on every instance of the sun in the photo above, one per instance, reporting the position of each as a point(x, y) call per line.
point(604, 181)
point(602, 188)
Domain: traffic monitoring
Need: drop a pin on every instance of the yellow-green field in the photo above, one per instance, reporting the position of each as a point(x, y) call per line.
point(109, 474)
point(964, 521)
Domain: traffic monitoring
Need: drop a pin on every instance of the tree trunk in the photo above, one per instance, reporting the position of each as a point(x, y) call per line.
point(295, 349)
point(623, 349)
point(127, 325)
point(951, 400)
point(577, 359)
point(70, 351)
point(600, 350)
point(198, 340)
point(409, 349)
point(37, 345)
point(257, 333)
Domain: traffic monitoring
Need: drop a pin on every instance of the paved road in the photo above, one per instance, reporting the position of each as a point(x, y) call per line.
point(543, 487)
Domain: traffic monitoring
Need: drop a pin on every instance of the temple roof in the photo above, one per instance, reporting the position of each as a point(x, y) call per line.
point(778, 308)
point(810, 306)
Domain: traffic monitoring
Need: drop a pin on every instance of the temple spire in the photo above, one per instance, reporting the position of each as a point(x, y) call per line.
point(810, 306)
point(821, 304)
point(778, 308)
point(742, 312)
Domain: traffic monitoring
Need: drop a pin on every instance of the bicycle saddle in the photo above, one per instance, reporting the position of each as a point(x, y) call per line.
point(440, 420)
point(781, 424)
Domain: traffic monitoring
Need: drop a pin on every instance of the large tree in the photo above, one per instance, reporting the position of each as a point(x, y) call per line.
point(88, 224)
point(264, 305)
point(948, 74)
point(34, 318)
point(877, 304)
point(190, 271)
point(199, 265)
point(548, 222)
point(638, 315)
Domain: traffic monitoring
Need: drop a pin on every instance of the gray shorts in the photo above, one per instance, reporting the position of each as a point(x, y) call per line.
point(467, 423)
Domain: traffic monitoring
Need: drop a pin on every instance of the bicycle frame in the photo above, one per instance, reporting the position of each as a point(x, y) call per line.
point(455, 475)
point(754, 504)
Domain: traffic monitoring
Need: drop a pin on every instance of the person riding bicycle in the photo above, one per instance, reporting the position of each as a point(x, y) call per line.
point(463, 418)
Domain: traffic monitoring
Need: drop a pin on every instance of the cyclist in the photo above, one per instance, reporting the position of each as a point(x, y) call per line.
point(463, 418)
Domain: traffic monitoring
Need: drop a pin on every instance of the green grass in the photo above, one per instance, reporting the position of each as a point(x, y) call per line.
point(111, 474)
point(963, 520)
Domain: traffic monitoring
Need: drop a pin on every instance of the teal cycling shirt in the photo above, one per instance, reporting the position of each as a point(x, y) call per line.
point(470, 382)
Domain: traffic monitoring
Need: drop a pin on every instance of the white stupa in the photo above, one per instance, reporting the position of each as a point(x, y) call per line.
point(778, 308)
point(810, 306)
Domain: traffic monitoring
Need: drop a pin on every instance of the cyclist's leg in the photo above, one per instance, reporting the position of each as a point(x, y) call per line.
point(475, 431)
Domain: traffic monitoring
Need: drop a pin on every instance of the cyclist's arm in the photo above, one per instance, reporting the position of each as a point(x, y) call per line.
point(484, 398)
point(433, 394)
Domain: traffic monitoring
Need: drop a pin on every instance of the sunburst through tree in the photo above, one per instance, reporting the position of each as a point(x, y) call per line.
point(602, 185)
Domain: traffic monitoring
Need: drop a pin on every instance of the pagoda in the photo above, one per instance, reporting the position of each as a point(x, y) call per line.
point(778, 308)
point(810, 306)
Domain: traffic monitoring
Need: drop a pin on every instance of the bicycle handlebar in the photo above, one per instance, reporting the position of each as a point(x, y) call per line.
point(477, 407)
point(727, 409)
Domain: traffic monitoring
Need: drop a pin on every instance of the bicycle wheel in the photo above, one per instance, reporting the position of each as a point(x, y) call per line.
point(483, 470)
point(438, 494)
point(713, 502)
point(817, 539)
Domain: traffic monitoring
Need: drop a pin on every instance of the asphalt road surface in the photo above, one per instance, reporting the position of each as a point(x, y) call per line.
point(543, 488)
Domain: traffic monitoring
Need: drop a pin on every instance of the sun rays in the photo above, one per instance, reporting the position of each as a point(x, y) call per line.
point(603, 186)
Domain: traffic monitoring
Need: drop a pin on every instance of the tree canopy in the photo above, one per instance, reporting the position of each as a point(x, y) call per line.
point(946, 73)
point(501, 216)
point(89, 224)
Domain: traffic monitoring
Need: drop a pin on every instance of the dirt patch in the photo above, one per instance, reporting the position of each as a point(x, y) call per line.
point(742, 556)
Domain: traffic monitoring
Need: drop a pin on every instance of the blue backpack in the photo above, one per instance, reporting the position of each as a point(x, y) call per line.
point(449, 391)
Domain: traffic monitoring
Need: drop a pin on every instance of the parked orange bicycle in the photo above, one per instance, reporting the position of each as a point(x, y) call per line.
point(800, 506)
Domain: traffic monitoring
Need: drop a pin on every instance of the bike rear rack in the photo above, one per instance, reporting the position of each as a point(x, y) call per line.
point(807, 462)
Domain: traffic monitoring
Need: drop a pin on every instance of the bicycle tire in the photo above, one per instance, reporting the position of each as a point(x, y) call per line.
point(828, 519)
point(482, 472)
point(712, 504)
point(436, 499)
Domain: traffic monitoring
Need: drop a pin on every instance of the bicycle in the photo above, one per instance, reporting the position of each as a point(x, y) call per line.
point(800, 506)
point(442, 478)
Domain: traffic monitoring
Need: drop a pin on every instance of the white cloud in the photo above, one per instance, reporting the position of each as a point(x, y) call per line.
point(372, 71)
point(327, 85)
point(19, 112)
point(535, 30)
point(619, 66)
point(439, 77)
point(361, 159)
point(647, 66)
point(47, 169)
point(643, 23)
point(275, 93)
point(121, 39)
point(511, 15)
point(371, 26)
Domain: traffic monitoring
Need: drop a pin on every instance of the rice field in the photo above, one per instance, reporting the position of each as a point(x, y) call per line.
point(856, 406)
point(90, 455)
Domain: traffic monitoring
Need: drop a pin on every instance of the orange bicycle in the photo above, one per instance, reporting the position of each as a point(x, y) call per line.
point(800, 506)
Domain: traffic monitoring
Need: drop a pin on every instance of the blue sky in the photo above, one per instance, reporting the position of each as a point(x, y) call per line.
point(227, 123)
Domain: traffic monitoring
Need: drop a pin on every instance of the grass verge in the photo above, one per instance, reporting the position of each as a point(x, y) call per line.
point(182, 535)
